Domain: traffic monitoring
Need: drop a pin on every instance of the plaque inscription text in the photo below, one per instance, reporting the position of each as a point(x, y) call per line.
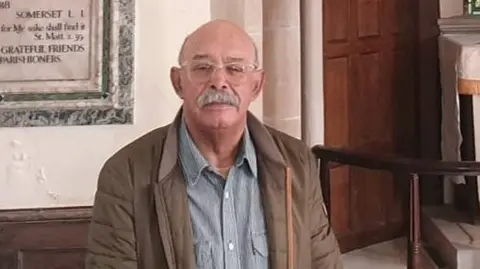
point(45, 40)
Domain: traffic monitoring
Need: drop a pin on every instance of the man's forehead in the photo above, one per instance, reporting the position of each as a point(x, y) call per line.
point(219, 39)
point(225, 58)
point(223, 48)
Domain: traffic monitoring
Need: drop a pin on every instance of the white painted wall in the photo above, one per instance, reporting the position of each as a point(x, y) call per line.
point(46, 167)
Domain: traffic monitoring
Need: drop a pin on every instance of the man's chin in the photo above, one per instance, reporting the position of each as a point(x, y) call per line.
point(220, 117)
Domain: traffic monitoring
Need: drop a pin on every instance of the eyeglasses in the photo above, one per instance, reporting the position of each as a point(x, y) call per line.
point(202, 71)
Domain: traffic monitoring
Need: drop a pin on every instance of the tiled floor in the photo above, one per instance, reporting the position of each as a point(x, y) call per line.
point(386, 255)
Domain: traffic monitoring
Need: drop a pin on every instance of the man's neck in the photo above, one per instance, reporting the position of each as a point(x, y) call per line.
point(218, 146)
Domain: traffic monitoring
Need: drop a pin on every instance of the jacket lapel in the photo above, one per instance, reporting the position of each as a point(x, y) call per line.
point(171, 204)
point(271, 176)
point(271, 165)
point(174, 221)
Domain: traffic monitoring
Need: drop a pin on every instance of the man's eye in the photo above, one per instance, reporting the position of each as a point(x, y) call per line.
point(202, 67)
point(235, 68)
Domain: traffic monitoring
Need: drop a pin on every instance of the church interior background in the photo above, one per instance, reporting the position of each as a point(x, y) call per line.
point(374, 77)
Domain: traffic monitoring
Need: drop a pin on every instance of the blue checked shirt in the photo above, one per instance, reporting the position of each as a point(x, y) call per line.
point(227, 217)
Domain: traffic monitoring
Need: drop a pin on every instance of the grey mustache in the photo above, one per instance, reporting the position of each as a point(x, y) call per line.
point(213, 96)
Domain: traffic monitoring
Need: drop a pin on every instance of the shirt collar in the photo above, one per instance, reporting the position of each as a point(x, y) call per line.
point(193, 162)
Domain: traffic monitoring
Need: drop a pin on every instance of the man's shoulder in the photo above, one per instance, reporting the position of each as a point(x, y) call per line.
point(288, 145)
point(146, 144)
point(284, 138)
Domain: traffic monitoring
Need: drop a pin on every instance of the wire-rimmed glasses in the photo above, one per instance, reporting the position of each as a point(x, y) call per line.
point(202, 71)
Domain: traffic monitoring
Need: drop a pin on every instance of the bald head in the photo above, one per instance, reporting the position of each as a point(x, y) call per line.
point(221, 32)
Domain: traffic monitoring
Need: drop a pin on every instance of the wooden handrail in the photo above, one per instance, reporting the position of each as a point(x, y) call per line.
point(408, 167)
point(396, 164)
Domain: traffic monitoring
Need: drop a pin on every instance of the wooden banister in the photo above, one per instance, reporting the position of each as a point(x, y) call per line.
point(409, 167)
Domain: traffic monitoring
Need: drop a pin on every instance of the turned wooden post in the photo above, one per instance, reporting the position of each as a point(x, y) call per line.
point(413, 259)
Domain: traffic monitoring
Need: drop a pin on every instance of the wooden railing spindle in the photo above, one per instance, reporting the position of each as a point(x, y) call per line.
point(413, 259)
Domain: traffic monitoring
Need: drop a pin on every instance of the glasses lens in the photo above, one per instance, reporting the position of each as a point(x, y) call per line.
point(200, 72)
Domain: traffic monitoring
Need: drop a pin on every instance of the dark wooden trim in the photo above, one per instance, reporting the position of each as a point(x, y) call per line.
point(45, 214)
point(396, 164)
point(428, 106)
point(44, 238)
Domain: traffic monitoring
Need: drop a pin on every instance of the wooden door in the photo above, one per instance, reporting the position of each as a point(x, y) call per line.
point(369, 63)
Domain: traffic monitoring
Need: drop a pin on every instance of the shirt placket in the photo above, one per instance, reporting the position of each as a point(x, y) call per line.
point(229, 224)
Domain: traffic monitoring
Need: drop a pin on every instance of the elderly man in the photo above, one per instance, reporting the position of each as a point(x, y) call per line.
point(215, 189)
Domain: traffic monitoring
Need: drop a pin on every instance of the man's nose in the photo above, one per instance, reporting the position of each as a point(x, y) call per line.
point(219, 79)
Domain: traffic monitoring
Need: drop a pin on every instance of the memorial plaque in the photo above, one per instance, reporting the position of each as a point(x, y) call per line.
point(45, 40)
point(66, 62)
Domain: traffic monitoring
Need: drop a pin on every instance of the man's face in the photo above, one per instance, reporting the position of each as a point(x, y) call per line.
point(218, 79)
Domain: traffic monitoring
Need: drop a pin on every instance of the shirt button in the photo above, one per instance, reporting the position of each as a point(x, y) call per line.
point(231, 246)
point(227, 195)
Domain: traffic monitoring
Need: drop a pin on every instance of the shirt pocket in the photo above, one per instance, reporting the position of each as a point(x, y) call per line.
point(260, 250)
point(203, 255)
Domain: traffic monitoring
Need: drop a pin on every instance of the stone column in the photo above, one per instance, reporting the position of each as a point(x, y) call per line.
point(253, 25)
point(248, 14)
point(311, 32)
point(281, 61)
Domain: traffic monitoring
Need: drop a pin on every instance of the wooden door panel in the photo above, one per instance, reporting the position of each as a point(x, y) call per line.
point(368, 98)
point(336, 84)
point(369, 107)
point(341, 204)
point(367, 18)
point(336, 14)
point(371, 211)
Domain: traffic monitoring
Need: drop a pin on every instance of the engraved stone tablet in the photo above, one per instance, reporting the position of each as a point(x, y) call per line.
point(66, 62)
point(45, 40)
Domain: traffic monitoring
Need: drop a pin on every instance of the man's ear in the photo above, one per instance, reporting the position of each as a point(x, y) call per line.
point(176, 80)
point(259, 84)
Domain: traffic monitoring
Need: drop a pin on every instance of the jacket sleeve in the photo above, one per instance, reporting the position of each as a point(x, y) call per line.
point(325, 250)
point(111, 242)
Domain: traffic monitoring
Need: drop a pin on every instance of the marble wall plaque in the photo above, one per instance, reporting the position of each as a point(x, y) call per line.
point(66, 62)
point(46, 40)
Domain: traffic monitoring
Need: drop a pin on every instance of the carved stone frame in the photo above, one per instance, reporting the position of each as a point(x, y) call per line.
point(111, 104)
